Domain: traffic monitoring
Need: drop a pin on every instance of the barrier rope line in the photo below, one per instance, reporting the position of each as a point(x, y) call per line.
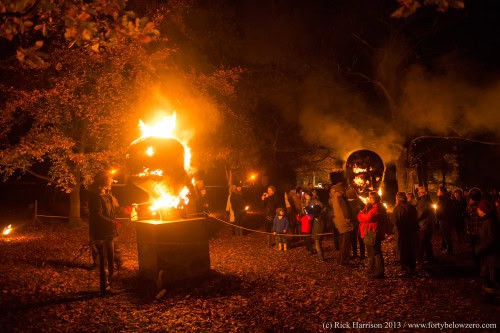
point(265, 232)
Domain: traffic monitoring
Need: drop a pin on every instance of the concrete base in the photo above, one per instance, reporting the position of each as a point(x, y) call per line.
point(172, 251)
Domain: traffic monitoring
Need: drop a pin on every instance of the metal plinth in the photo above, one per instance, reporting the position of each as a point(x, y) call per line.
point(172, 251)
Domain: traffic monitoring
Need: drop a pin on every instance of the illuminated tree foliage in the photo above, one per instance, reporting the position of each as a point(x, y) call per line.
point(409, 7)
point(77, 123)
point(92, 25)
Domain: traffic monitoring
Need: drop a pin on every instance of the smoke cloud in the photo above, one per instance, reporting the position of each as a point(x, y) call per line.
point(450, 105)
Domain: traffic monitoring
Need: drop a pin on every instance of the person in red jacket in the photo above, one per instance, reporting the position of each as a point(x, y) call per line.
point(370, 219)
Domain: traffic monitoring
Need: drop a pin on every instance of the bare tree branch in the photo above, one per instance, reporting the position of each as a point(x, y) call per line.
point(37, 175)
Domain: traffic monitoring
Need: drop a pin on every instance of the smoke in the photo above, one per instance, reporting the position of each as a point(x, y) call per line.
point(437, 104)
point(339, 118)
point(450, 105)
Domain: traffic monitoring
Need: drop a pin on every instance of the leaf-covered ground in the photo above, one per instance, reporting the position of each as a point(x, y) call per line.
point(45, 286)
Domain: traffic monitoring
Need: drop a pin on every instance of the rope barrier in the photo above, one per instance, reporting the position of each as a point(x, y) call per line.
point(265, 232)
point(53, 216)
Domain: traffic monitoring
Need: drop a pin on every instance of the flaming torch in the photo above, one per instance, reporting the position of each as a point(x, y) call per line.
point(7, 230)
point(174, 247)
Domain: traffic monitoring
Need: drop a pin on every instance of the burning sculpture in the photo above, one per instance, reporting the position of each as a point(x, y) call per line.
point(173, 247)
point(364, 171)
point(157, 163)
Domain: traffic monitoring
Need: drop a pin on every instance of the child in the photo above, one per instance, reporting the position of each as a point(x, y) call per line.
point(280, 227)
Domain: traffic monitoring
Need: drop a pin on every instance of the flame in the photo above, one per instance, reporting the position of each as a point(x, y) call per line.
point(167, 200)
point(247, 207)
point(150, 151)
point(359, 181)
point(380, 192)
point(435, 206)
point(364, 199)
point(357, 169)
point(165, 129)
point(7, 230)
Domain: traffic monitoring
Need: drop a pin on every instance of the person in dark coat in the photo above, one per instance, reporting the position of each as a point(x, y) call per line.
point(342, 217)
point(459, 211)
point(295, 210)
point(404, 217)
point(320, 218)
point(473, 222)
point(445, 218)
point(238, 207)
point(356, 206)
point(271, 203)
point(103, 226)
point(488, 245)
point(425, 219)
point(336, 239)
point(280, 228)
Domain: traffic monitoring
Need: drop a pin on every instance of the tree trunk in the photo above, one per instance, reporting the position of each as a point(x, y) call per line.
point(229, 175)
point(74, 206)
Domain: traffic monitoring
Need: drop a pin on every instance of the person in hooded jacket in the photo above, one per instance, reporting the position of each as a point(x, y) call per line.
point(280, 228)
point(371, 219)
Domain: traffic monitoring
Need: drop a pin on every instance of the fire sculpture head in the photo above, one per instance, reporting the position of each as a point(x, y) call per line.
point(157, 164)
point(364, 171)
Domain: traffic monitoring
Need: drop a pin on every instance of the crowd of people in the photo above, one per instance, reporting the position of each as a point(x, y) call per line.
point(462, 219)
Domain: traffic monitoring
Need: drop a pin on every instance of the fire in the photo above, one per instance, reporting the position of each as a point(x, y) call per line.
point(359, 181)
point(167, 200)
point(364, 199)
point(146, 172)
point(380, 191)
point(7, 230)
point(165, 129)
point(356, 169)
point(163, 184)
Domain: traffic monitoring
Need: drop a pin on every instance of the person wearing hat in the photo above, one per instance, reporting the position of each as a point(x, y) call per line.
point(280, 228)
point(488, 245)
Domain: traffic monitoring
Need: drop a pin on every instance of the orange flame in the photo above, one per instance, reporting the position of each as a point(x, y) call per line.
point(163, 197)
point(7, 230)
point(167, 200)
point(165, 128)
